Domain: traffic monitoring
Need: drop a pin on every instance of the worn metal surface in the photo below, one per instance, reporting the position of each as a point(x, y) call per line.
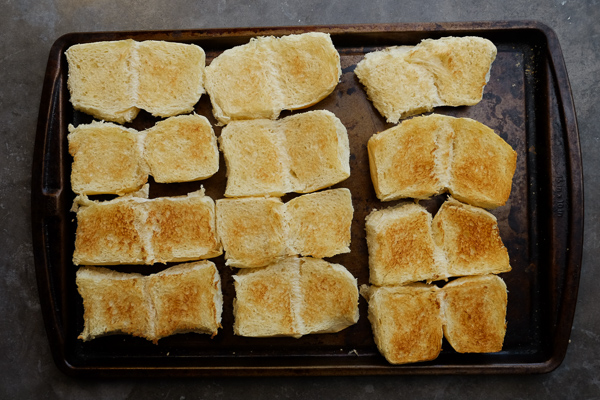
point(527, 101)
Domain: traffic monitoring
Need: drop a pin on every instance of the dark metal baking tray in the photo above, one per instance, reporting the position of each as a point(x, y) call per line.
point(527, 101)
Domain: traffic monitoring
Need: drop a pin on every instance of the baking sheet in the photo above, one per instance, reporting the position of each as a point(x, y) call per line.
point(527, 101)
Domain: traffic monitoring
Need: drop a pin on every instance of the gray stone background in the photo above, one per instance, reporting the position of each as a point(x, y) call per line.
point(27, 30)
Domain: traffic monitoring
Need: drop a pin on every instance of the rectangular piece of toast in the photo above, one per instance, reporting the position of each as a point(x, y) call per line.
point(180, 299)
point(107, 159)
point(301, 153)
point(407, 80)
point(401, 246)
point(406, 321)
point(294, 297)
point(181, 149)
point(133, 230)
point(474, 310)
point(268, 75)
point(113, 80)
point(470, 240)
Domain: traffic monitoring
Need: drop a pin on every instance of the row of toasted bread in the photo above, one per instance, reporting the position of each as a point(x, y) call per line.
point(294, 297)
point(301, 153)
point(253, 231)
point(114, 80)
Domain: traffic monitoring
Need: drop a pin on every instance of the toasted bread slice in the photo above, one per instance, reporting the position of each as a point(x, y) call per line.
point(406, 321)
point(114, 303)
point(101, 79)
point(429, 155)
point(256, 159)
point(460, 65)
point(252, 231)
point(301, 153)
point(319, 223)
point(401, 246)
point(407, 160)
point(397, 88)
point(329, 296)
point(470, 238)
point(317, 145)
point(403, 81)
point(113, 80)
point(109, 232)
point(107, 158)
point(186, 298)
point(308, 68)
point(268, 75)
point(482, 165)
point(474, 310)
point(265, 298)
point(182, 228)
point(294, 297)
point(132, 230)
point(182, 149)
point(170, 77)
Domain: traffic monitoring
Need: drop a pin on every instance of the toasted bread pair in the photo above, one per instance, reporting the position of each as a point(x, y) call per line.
point(409, 322)
point(114, 80)
point(406, 245)
point(133, 230)
point(257, 231)
point(268, 75)
point(111, 159)
point(301, 153)
point(180, 299)
point(294, 297)
point(406, 80)
point(425, 156)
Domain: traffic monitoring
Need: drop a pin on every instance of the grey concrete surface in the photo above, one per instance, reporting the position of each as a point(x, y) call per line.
point(27, 30)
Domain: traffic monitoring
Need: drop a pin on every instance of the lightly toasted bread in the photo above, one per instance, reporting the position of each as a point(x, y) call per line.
point(403, 81)
point(133, 230)
point(113, 80)
point(474, 310)
point(294, 297)
point(268, 75)
point(319, 224)
point(107, 158)
point(181, 149)
point(252, 231)
point(406, 321)
point(258, 231)
point(180, 299)
point(401, 246)
point(424, 156)
point(301, 153)
point(470, 239)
